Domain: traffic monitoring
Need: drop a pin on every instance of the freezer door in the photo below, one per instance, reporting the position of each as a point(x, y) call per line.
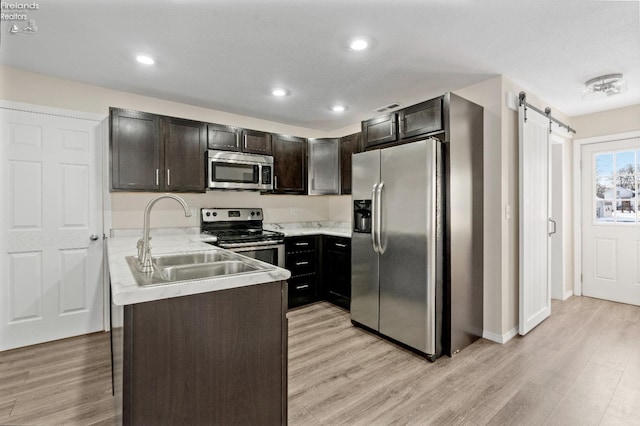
point(408, 240)
point(364, 260)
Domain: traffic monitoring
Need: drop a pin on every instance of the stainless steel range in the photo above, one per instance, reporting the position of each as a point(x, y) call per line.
point(240, 230)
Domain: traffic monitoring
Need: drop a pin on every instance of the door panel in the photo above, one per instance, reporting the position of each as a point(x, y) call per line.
point(53, 278)
point(610, 221)
point(535, 282)
point(407, 292)
point(365, 290)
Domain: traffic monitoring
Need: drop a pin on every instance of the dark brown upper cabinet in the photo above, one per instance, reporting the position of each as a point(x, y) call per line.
point(150, 152)
point(222, 137)
point(136, 150)
point(289, 164)
point(185, 143)
point(349, 145)
point(379, 130)
point(255, 142)
point(420, 119)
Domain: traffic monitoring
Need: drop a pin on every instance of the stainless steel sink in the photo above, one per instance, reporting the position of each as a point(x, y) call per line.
point(204, 270)
point(173, 268)
point(189, 258)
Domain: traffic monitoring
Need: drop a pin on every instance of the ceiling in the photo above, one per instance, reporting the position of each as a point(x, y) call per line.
point(229, 54)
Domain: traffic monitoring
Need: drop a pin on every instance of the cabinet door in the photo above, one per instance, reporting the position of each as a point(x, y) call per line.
point(337, 270)
point(420, 119)
point(226, 138)
point(289, 164)
point(324, 166)
point(136, 154)
point(349, 145)
point(185, 143)
point(379, 130)
point(255, 142)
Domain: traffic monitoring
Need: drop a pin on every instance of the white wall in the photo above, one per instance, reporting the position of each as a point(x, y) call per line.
point(610, 122)
point(23, 86)
point(501, 240)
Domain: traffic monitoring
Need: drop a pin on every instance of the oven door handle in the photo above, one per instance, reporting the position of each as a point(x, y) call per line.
point(249, 244)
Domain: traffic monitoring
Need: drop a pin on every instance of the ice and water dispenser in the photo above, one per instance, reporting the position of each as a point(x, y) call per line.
point(362, 216)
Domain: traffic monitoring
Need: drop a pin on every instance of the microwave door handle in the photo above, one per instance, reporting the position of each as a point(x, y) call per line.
point(374, 217)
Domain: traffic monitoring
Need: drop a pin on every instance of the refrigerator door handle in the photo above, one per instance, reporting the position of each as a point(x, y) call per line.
point(374, 192)
point(379, 217)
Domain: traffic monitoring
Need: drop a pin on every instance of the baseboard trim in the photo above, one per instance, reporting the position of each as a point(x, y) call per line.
point(567, 294)
point(498, 338)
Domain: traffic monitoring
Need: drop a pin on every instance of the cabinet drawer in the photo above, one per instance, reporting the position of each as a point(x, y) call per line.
point(302, 263)
point(296, 244)
point(338, 244)
point(301, 291)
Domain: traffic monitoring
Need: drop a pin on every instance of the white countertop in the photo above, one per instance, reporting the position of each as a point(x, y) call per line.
point(336, 229)
point(126, 291)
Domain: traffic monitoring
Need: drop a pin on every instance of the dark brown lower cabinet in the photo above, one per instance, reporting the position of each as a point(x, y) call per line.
point(215, 358)
point(336, 270)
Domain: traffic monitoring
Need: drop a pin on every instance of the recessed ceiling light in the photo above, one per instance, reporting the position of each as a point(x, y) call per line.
point(338, 108)
point(280, 92)
point(359, 43)
point(144, 59)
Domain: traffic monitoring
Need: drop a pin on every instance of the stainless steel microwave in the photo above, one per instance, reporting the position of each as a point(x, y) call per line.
point(235, 170)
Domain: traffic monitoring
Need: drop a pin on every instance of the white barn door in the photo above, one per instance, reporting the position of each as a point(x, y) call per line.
point(535, 282)
point(51, 284)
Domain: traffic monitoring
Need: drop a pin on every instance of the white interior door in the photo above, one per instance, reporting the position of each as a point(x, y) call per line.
point(535, 283)
point(51, 282)
point(610, 221)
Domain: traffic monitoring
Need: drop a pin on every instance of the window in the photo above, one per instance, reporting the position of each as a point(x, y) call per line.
point(615, 187)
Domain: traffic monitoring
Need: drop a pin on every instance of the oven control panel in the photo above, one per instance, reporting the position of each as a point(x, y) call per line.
point(226, 215)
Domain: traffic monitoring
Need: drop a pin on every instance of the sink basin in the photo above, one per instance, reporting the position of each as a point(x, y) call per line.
point(204, 270)
point(171, 268)
point(189, 259)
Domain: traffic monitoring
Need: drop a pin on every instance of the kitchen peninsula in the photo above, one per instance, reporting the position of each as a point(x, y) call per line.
point(205, 351)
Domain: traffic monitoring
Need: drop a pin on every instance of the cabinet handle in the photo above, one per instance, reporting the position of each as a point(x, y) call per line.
point(237, 140)
point(168, 177)
point(302, 287)
point(157, 177)
point(302, 263)
point(275, 182)
point(245, 140)
point(341, 245)
point(302, 244)
point(401, 125)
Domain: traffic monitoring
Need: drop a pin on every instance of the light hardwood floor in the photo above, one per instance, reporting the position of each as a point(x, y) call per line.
point(580, 367)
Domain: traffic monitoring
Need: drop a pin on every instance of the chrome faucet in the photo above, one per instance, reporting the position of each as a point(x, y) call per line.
point(144, 249)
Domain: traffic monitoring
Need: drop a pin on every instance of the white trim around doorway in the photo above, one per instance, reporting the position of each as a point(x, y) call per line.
point(577, 200)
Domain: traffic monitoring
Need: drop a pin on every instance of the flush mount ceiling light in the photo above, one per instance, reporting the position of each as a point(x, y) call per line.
point(603, 86)
point(145, 59)
point(359, 44)
point(279, 92)
point(339, 108)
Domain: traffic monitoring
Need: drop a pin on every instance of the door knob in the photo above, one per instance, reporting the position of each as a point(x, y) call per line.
point(93, 237)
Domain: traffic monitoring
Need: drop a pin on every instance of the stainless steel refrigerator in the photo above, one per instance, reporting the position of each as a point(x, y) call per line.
point(397, 261)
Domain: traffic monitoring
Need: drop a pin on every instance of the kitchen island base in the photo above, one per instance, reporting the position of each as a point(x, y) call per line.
point(211, 358)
